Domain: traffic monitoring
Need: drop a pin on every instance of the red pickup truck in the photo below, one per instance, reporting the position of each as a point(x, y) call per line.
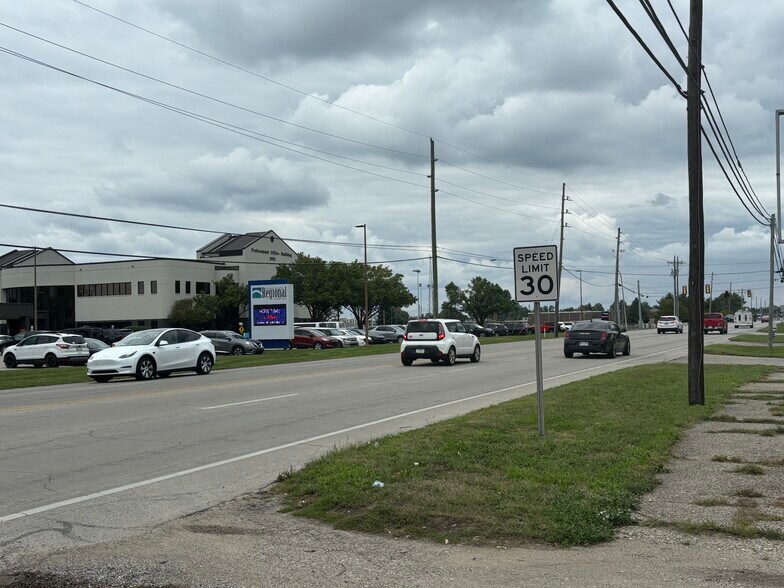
point(714, 321)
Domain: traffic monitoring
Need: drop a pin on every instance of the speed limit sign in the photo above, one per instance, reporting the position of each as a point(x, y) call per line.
point(536, 273)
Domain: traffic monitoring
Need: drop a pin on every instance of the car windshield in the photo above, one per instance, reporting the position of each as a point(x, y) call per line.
point(233, 335)
point(330, 332)
point(140, 338)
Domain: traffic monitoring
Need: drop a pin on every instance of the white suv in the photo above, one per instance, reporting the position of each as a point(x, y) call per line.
point(438, 340)
point(49, 349)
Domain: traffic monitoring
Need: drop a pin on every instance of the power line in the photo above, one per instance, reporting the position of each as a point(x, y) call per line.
point(496, 180)
point(304, 93)
point(212, 98)
point(226, 126)
point(494, 207)
point(440, 181)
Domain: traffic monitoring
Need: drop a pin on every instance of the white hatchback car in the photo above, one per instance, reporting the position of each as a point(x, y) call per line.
point(49, 349)
point(155, 352)
point(438, 340)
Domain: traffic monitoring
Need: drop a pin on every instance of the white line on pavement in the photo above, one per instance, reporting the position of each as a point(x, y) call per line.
point(248, 401)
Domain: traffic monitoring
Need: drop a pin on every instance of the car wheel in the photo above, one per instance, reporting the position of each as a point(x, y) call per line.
point(406, 360)
point(101, 379)
point(611, 351)
point(476, 355)
point(204, 365)
point(400, 339)
point(568, 353)
point(659, 332)
point(237, 350)
point(628, 349)
point(164, 374)
point(51, 360)
point(317, 346)
point(451, 356)
point(9, 360)
point(145, 369)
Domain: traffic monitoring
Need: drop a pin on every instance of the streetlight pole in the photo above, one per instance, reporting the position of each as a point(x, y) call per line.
point(364, 234)
point(419, 295)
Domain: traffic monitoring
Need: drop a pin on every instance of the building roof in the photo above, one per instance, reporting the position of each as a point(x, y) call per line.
point(19, 257)
point(232, 245)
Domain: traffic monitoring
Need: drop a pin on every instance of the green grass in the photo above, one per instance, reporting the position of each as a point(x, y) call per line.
point(729, 349)
point(487, 478)
point(28, 377)
point(762, 339)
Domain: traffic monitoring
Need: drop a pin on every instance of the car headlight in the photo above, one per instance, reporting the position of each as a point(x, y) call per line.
point(127, 355)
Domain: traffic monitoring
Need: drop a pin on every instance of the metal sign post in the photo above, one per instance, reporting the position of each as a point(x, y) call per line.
point(536, 279)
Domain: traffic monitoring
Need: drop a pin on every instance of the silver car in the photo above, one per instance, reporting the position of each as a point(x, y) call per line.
point(234, 343)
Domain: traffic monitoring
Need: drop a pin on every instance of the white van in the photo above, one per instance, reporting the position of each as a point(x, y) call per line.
point(323, 325)
point(744, 318)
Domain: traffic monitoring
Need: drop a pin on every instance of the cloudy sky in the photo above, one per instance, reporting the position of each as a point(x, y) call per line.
point(309, 117)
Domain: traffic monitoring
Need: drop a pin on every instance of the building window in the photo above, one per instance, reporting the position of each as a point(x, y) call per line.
point(108, 289)
point(153, 286)
point(188, 287)
point(140, 288)
point(177, 287)
point(202, 287)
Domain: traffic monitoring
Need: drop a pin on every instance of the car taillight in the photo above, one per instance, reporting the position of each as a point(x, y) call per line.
point(566, 334)
point(441, 333)
point(63, 345)
point(604, 335)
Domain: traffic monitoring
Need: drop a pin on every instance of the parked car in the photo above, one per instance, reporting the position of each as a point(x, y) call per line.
point(6, 341)
point(714, 321)
point(112, 336)
point(307, 338)
point(565, 325)
point(358, 337)
point(49, 349)
point(234, 343)
point(343, 339)
point(547, 327)
point(438, 340)
point(390, 333)
point(596, 337)
point(669, 323)
point(84, 331)
point(372, 338)
point(499, 329)
point(478, 330)
point(95, 345)
point(153, 352)
point(520, 328)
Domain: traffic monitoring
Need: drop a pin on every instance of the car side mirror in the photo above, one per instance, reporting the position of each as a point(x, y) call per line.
point(623, 330)
point(162, 342)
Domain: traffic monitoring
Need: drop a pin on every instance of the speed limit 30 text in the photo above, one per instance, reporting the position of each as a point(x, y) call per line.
point(536, 262)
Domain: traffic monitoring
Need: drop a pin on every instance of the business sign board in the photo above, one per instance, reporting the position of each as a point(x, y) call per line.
point(536, 273)
point(271, 312)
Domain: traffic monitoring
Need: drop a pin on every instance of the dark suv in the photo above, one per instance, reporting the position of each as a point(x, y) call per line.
point(498, 328)
point(478, 330)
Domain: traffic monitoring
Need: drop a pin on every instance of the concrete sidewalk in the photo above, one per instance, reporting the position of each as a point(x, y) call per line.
point(723, 474)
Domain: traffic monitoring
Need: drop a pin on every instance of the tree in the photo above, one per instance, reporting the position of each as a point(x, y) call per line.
point(227, 305)
point(189, 314)
point(452, 308)
point(632, 312)
point(480, 300)
point(314, 285)
point(386, 291)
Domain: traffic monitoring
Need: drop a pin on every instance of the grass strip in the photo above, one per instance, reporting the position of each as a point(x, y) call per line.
point(27, 377)
point(745, 351)
point(762, 339)
point(746, 531)
point(487, 478)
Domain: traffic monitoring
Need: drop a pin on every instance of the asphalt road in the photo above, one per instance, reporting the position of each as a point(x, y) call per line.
point(87, 463)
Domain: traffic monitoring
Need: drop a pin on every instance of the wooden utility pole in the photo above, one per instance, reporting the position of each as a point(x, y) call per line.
point(617, 273)
point(560, 259)
point(433, 225)
point(696, 222)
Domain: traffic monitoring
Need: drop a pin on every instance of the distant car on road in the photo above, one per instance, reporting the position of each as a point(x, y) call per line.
point(668, 323)
point(765, 318)
point(596, 337)
point(153, 352)
point(438, 340)
point(714, 321)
